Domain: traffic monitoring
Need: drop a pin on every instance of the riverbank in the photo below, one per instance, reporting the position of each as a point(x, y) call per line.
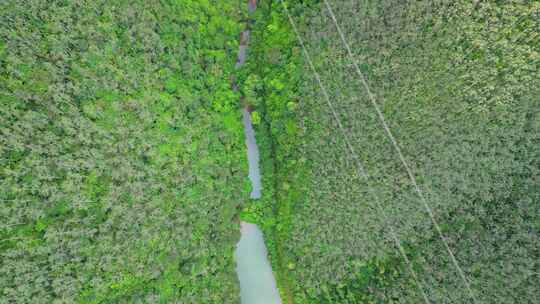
point(269, 84)
point(257, 282)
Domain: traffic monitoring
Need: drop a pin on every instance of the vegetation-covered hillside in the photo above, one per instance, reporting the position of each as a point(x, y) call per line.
point(122, 160)
point(457, 82)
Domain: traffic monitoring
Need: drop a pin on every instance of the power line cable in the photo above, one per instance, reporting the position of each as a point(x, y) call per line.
point(360, 168)
point(398, 150)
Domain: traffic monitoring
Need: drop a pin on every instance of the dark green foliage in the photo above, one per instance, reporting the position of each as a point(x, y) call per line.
point(121, 159)
point(458, 83)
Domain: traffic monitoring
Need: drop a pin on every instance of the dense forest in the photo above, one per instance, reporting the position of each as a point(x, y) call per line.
point(458, 84)
point(122, 163)
point(123, 171)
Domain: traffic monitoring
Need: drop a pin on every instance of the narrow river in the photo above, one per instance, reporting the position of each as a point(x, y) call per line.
point(257, 282)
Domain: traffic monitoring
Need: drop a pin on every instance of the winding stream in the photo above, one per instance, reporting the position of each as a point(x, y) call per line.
point(257, 282)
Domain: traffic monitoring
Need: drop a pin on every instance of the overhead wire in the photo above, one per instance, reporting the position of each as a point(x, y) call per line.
point(360, 167)
point(400, 153)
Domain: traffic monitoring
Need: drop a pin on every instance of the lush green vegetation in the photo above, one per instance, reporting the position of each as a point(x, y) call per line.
point(270, 85)
point(122, 162)
point(123, 170)
point(458, 83)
